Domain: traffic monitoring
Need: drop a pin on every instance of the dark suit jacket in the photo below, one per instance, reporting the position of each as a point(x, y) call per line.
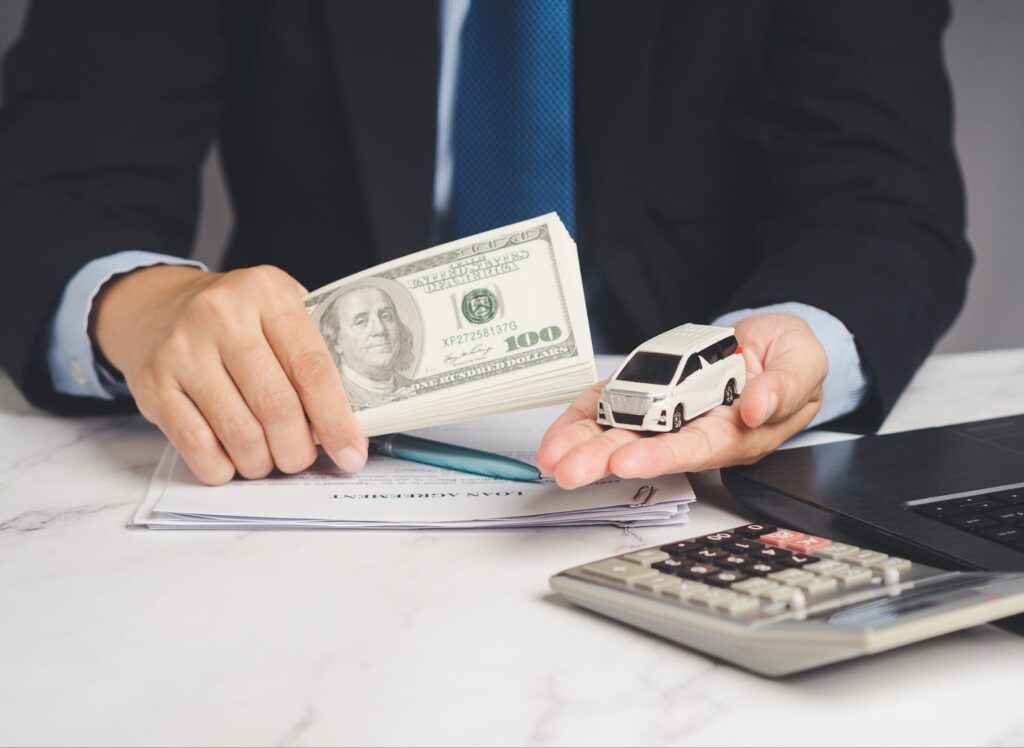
point(729, 154)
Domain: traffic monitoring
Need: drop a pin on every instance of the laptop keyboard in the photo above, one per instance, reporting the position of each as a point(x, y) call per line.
point(997, 516)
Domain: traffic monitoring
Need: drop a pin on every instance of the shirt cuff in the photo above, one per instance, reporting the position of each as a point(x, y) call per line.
point(73, 366)
point(846, 382)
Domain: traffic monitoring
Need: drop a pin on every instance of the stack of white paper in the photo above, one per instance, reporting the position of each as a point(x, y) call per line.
point(391, 493)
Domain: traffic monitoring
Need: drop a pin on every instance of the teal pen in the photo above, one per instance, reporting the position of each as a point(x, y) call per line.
point(453, 457)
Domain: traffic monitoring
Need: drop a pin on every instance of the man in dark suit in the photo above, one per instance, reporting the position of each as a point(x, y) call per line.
point(784, 167)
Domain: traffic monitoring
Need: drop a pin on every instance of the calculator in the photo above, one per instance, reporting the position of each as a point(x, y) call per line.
point(777, 601)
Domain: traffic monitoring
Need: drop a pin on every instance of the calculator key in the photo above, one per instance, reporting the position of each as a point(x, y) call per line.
point(1011, 496)
point(769, 553)
point(708, 555)
point(685, 590)
point(1004, 534)
point(618, 570)
point(826, 566)
point(779, 594)
point(851, 577)
point(837, 551)
point(760, 568)
point(972, 522)
point(646, 557)
point(697, 571)
point(754, 531)
point(899, 565)
point(865, 557)
point(817, 587)
point(670, 565)
point(791, 576)
point(1011, 515)
point(806, 544)
point(939, 510)
point(659, 584)
point(743, 546)
point(711, 595)
point(796, 560)
point(724, 578)
point(718, 538)
point(780, 537)
point(754, 585)
point(741, 606)
point(732, 561)
point(681, 548)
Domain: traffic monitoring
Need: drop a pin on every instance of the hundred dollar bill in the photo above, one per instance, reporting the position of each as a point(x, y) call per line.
point(429, 337)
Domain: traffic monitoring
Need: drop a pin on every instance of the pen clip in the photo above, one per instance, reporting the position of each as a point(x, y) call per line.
point(642, 496)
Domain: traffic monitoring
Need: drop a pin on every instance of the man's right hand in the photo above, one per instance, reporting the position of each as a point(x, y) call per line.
point(228, 365)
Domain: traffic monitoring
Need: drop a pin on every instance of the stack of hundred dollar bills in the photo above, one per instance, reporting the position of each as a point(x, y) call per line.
point(484, 325)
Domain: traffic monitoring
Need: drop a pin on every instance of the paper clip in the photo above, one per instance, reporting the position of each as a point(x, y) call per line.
point(642, 496)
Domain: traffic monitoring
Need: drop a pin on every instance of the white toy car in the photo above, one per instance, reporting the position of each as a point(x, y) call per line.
point(674, 377)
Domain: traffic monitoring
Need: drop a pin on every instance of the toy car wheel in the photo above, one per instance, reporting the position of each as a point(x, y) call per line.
point(730, 394)
point(677, 418)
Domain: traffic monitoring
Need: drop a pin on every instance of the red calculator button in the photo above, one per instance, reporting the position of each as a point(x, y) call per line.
point(781, 537)
point(806, 544)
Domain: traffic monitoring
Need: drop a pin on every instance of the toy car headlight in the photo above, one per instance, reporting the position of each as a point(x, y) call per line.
point(657, 398)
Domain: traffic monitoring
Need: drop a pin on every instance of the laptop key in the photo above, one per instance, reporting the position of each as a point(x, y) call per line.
point(1003, 534)
point(1011, 515)
point(939, 510)
point(972, 522)
point(1011, 496)
point(981, 506)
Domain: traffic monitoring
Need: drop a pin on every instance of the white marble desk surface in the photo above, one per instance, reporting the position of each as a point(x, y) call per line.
point(111, 636)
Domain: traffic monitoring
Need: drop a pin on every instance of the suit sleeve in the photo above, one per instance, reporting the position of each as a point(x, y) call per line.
point(109, 109)
point(858, 196)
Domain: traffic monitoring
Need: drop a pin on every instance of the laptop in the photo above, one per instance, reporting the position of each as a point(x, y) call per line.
point(952, 496)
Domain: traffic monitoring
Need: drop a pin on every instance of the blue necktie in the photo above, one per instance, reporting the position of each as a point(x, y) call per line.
point(513, 133)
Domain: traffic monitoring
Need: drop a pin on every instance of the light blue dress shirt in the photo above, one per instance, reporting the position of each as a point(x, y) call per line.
point(74, 370)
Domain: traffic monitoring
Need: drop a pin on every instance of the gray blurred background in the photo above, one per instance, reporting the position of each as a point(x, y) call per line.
point(985, 55)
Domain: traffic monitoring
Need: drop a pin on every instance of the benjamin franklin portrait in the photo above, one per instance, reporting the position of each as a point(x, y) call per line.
point(369, 343)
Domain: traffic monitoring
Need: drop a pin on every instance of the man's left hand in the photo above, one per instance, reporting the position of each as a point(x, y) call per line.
point(786, 366)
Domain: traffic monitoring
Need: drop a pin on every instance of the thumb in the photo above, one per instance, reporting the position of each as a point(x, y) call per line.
point(785, 386)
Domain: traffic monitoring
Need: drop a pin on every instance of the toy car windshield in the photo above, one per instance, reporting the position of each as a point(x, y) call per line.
point(650, 368)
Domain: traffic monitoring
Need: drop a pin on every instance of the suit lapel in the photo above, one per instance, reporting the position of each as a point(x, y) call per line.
point(386, 56)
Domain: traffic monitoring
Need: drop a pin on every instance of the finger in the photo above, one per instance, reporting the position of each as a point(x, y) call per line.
point(716, 441)
point(688, 450)
point(794, 370)
point(589, 461)
point(225, 410)
point(559, 443)
point(184, 426)
point(273, 400)
point(306, 361)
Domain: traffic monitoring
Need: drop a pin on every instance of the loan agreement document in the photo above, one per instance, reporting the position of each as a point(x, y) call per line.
point(392, 493)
